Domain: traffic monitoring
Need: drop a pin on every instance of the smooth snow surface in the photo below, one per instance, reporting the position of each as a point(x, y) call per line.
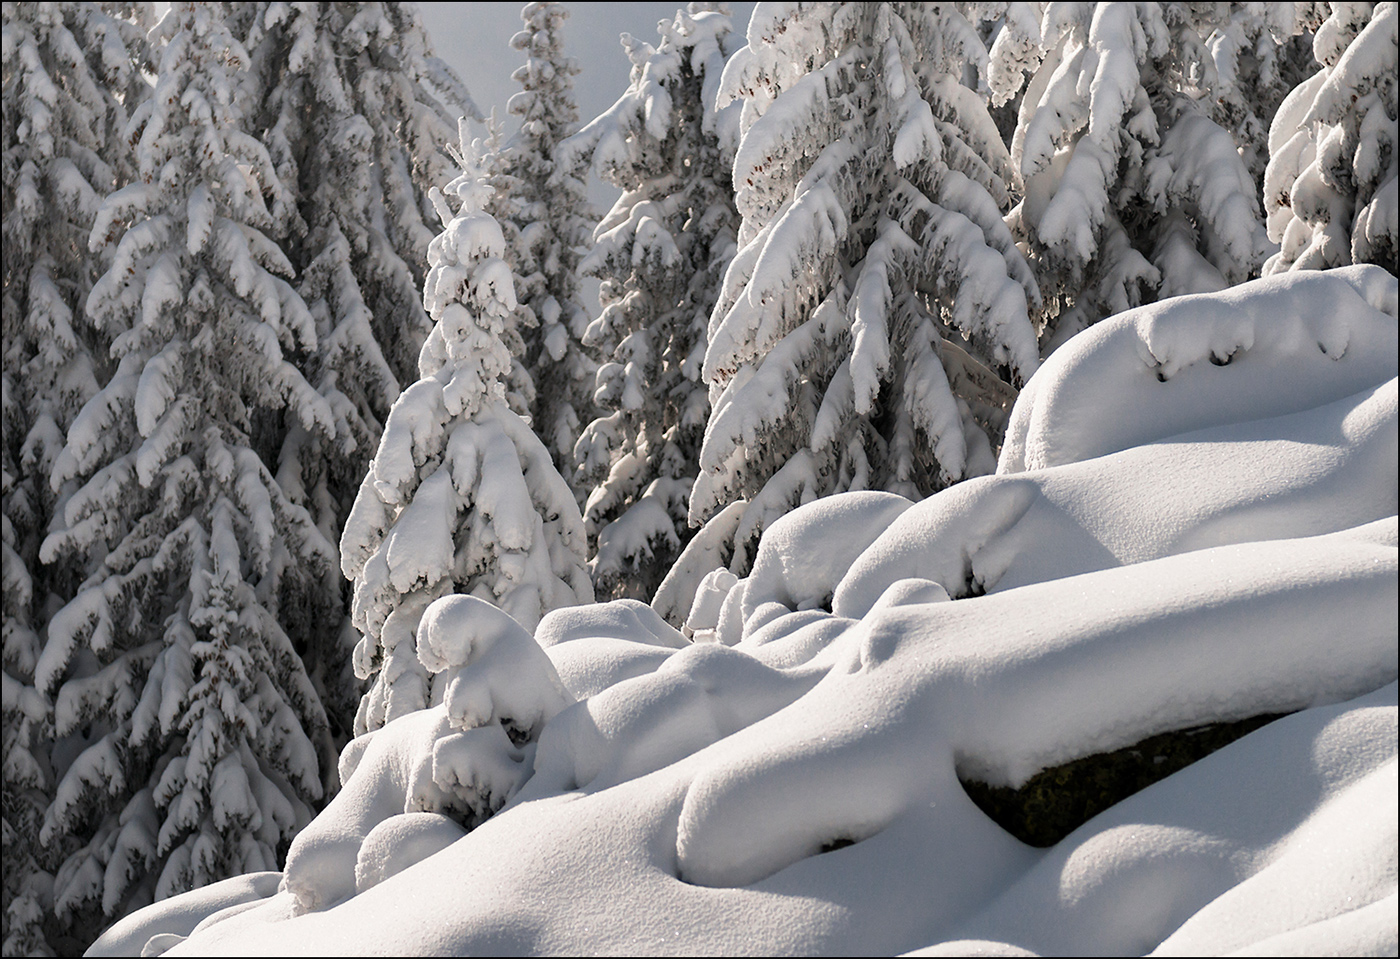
point(1155, 552)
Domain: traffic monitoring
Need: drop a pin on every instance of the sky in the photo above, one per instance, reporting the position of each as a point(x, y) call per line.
point(474, 39)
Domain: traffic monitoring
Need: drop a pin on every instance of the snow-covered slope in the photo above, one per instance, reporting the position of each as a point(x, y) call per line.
point(1194, 520)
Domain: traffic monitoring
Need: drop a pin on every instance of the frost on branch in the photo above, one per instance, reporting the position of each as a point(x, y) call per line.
point(1260, 52)
point(461, 497)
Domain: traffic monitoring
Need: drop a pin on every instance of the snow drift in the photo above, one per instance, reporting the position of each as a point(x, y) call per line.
point(1193, 520)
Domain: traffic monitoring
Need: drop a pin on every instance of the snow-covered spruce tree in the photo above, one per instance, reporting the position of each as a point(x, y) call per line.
point(661, 253)
point(1133, 190)
point(544, 214)
point(193, 742)
point(873, 265)
point(360, 115)
point(357, 117)
point(70, 74)
point(1331, 190)
point(1259, 53)
point(491, 165)
point(461, 496)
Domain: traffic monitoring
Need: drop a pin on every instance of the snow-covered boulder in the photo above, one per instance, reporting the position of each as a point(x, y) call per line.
point(1211, 545)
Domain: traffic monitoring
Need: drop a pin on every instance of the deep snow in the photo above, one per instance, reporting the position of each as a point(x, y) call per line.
point(1193, 520)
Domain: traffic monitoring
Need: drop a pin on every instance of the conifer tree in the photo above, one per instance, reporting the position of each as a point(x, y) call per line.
point(461, 496)
point(493, 167)
point(1331, 188)
point(357, 117)
point(70, 75)
point(661, 253)
point(1259, 53)
point(360, 116)
point(196, 742)
point(877, 301)
point(1133, 188)
point(544, 214)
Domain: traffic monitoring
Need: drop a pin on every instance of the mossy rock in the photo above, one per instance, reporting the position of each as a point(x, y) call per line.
point(1056, 801)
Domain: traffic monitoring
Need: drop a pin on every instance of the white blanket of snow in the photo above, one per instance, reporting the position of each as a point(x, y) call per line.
point(1167, 542)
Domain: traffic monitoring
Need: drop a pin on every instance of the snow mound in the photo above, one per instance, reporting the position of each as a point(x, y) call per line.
point(129, 935)
point(594, 647)
point(1156, 553)
point(806, 553)
point(1192, 362)
point(400, 841)
point(490, 669)
point(1308, 472)
point(386, 773)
